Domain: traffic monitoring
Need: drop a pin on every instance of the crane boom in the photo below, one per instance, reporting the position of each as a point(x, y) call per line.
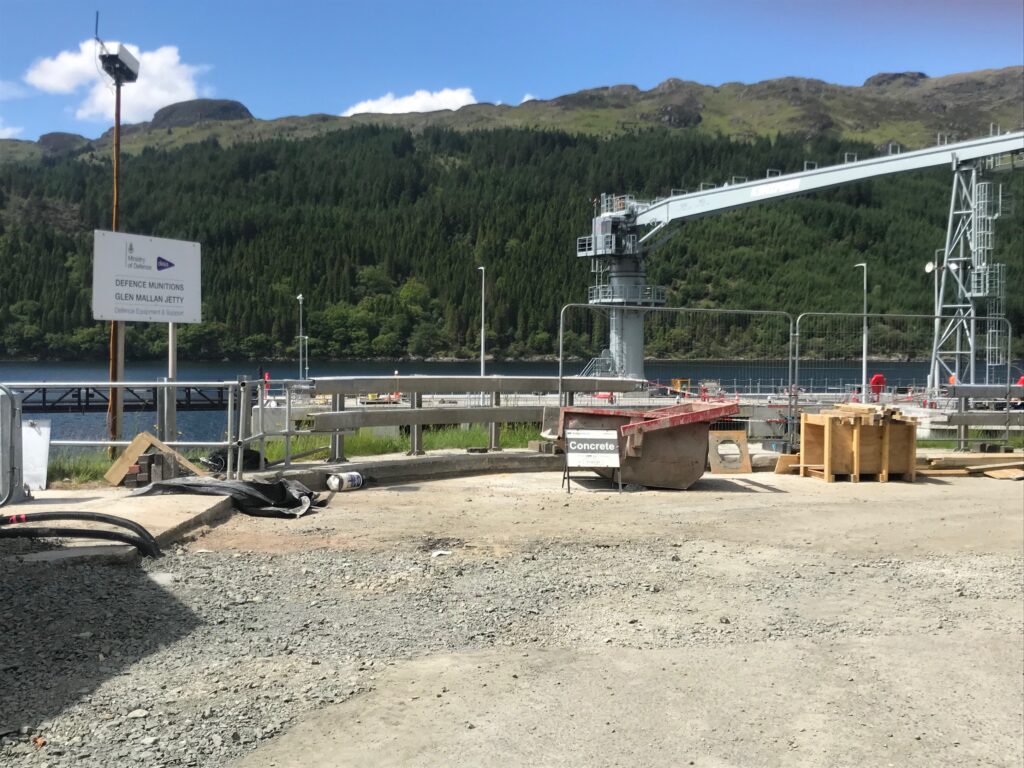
point(623, 227)
point(727, 198)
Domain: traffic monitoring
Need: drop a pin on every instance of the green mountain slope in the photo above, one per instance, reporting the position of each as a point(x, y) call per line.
point(381, 229)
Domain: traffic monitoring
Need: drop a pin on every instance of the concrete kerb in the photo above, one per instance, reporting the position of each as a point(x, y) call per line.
point(406, 469)
point(443, 465)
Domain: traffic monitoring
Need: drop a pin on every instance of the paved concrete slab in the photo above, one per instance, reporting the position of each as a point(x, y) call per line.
point(747, 704)
point(167, 518)
point(80, 551)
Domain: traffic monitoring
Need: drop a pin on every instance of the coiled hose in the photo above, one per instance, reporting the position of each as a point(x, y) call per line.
point(142, 540)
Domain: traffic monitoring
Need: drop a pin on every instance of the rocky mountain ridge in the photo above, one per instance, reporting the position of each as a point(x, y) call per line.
point(907, 107)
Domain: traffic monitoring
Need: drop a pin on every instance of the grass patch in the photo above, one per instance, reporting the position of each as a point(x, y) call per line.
point(365, 443)
point(974, 437)
point(77, 467)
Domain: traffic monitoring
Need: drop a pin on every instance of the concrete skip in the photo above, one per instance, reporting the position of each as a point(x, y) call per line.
point(658, 448)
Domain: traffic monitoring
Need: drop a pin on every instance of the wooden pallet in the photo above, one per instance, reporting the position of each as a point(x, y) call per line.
point(858, 442)
point(998, 466)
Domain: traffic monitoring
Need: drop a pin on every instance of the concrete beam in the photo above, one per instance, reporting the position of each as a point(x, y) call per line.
point(355, 385)
point(383, 416)
point(987, 419)
point(986, 391)
point(434, 467)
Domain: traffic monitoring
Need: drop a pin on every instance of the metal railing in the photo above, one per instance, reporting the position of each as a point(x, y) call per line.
point(606, 245)
point(778, 359)
point(235, 392)
point(626, 294)
point(10, 473)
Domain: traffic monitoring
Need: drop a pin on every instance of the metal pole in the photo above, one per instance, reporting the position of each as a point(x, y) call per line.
point(864, 339)
point(561, 352)
point(230, 460)
point(483, 328)
point(171, 394)
point(299, 297)
point(244, 414)
point(287, 424)
point(115, 407)
point(933, 371)
point(261, 391)
point(416, 430)
point(160, 397)
point(495, 427)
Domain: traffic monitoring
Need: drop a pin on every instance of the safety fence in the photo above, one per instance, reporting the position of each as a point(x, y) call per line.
point(703, 354)
point(773, 364)
point(837, 355)
point(296, 413)
point(887, 359)
point(10, 448)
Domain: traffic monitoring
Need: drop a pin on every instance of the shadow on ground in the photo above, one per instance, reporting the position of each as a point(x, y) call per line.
point(706, 483)
point(65, 629)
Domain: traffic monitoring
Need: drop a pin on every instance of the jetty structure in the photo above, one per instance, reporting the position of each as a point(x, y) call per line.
point(625, 230)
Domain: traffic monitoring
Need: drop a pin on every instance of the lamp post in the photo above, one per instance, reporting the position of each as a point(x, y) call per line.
point(299, 297)
point(483, 338)
point(122, 67)
point(864, 337)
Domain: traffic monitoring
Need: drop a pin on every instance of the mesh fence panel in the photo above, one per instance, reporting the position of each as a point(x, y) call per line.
point(829, 351)
point(708, 355)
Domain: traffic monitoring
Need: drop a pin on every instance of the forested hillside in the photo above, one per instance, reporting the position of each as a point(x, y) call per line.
point(382, 230)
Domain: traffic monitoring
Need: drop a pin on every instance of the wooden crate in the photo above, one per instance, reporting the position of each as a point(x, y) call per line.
point(858, 442)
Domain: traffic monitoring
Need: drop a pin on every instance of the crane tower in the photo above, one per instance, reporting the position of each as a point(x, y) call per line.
point(623, 226)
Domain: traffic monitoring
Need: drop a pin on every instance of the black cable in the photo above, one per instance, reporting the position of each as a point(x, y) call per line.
point(32, 532)
point(143, 541)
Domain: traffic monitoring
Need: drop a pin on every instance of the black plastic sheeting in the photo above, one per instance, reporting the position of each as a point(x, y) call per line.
point(283, 498)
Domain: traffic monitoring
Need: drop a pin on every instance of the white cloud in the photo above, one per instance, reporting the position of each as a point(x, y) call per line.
point(8, 131)
point(527, 97)
point(420, 101)
point(163, 79)
point(10, 90)
point(65, 72)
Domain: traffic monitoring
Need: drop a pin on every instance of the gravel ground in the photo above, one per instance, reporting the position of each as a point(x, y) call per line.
point(197, 658)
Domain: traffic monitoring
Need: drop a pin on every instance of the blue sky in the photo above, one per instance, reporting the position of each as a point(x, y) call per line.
point(302, 57)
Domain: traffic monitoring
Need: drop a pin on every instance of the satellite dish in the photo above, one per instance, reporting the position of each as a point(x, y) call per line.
point(929, 267)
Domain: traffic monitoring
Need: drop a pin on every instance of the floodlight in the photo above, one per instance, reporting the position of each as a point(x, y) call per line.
point(929, 267)
point(121, 66)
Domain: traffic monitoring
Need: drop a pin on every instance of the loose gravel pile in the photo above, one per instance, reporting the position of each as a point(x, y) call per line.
point(195, 658)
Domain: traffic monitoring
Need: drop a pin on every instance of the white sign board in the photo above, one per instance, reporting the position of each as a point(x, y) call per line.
point(587, 448)
point(35, 452)
point(145, 279)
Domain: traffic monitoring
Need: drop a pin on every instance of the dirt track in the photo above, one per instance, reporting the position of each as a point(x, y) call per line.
point(755, 620)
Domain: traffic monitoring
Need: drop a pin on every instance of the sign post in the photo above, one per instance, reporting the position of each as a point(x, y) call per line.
point(148, 279)
point(589, 449)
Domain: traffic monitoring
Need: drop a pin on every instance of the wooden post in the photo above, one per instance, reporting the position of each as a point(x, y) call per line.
point(855, 477)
